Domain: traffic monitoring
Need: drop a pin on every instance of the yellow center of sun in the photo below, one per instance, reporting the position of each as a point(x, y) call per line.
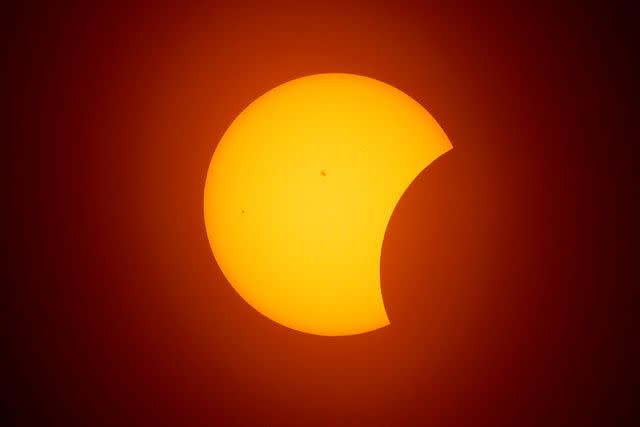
point(299, 193)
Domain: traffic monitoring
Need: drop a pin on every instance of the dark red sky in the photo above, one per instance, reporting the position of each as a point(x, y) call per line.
point(502, 267)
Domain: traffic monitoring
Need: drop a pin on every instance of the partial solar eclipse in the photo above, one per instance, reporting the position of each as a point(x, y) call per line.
point(299, 193)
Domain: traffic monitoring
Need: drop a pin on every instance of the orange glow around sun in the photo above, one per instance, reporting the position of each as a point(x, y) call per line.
point(299, 193)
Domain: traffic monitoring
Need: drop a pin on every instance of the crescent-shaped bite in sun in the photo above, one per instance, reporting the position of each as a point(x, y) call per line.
point(299, 193)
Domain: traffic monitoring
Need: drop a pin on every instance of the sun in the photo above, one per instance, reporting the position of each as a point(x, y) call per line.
point(299, 192)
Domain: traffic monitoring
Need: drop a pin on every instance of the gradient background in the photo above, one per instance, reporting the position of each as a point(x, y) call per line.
point(502, 267)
